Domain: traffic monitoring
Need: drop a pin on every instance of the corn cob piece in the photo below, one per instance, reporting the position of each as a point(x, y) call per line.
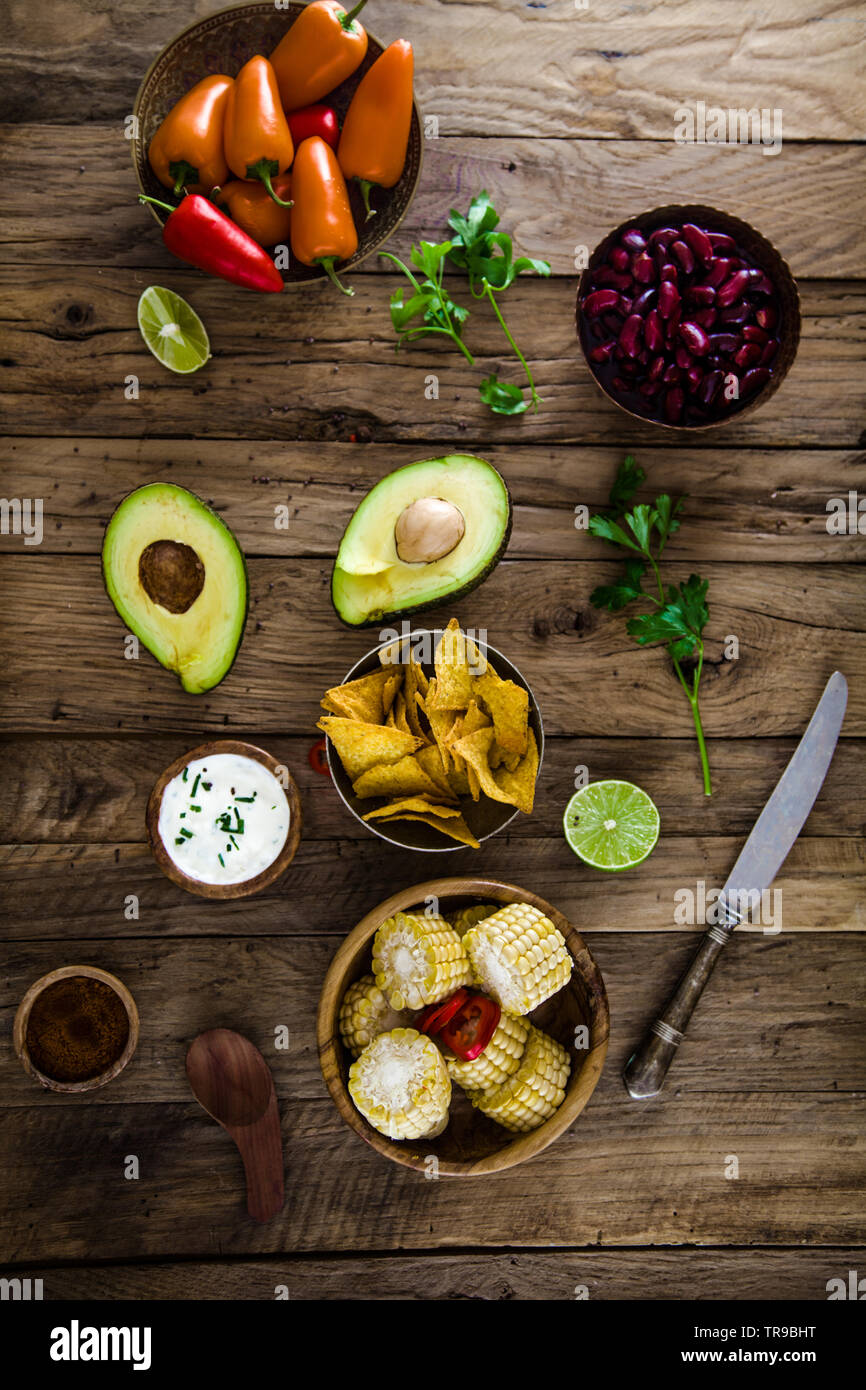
point(470, 916)
point(534, 1092)
point(519, 957)
point(400, 1084)
point(419, 960)
point(499, 1060)
point(365, 1013)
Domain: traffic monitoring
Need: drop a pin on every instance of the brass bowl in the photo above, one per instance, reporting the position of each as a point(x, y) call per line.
point(764, 255)
point(472, 1145)
point(22, 1018)
point(247, 887)
point(485, 817)
point(223, 42)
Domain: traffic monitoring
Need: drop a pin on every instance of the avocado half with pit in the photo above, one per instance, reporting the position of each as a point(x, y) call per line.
point(177, 577)
point(428, 532)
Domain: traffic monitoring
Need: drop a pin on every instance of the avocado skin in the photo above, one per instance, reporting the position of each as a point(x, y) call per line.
point(378, 619)
point(218, 522)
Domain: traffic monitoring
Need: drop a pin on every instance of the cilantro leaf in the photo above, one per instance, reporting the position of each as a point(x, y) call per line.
point(608, 530)
point(641, 522)
point(616, 596)
point(666, 517)
point(502, 397)
point(629, 477)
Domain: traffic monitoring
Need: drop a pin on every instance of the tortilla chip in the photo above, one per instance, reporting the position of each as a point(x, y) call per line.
point(440, 721)
point(411, 693)
point(360, 699)
point(509, 705)
point(392, 685)
point(421, 680)
point(412, 803)
point(475, 748)
point(519, 783)
point(404, 778)
point(453, 677)
point(457, 828)
point(391, 722)
point(362, 745)
point(430, 759)
point(399, 711)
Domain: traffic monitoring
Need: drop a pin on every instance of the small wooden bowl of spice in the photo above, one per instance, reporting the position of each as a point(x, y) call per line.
point(76, 1028)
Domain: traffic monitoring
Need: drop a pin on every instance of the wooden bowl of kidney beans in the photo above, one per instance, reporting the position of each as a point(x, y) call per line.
point(687, 316)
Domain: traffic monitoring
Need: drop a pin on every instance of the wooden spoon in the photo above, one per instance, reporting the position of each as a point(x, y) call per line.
point(231, 1080)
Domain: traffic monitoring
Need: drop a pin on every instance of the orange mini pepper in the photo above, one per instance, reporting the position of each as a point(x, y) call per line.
point(187, 150)
point(375, 132)
point(323, 229)
point(252, 207)
point(323, 47)
point(258, 142)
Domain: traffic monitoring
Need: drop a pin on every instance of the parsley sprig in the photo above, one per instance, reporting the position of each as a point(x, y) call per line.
point(428, 301)
point(679, 614)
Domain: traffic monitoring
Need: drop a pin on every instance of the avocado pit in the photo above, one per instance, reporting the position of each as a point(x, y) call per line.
point(171, 574)
point(428, 530)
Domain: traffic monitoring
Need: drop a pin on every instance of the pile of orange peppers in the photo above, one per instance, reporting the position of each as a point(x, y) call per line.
point(264, 147)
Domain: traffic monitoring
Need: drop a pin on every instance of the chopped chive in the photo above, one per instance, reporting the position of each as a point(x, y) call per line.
point(228, 849)
point(195, 784)
point(180, 842)
point(235, 843)
point(206, 786)
point(246, 798)
point(183, 815)
point(187, 834)
point(185, 774)
point(192, 808)
point(222, 861)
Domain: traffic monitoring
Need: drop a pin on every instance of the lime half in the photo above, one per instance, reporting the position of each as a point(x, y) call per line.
point(172, 330)
point(611, 825)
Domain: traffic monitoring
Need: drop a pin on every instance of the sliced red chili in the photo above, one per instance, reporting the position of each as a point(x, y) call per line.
point(318, 756)
point(465, 1022)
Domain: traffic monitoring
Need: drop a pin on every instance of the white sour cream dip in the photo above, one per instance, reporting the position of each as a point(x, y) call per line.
point(224, 819)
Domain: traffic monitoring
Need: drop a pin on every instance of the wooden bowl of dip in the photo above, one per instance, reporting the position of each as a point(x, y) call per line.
point(245, 887)
point(70, 1025)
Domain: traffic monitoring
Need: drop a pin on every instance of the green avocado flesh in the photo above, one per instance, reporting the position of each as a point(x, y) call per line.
point(371, 583)
point(177, 577)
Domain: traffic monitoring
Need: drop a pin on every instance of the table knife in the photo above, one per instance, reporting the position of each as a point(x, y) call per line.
point(760, 860)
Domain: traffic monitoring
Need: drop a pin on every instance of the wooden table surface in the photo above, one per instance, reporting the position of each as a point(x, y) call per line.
point(566, 116)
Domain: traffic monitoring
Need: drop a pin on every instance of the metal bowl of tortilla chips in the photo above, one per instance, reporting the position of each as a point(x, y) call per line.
point(434, 740)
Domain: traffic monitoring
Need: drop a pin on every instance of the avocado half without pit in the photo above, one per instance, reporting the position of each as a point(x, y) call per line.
point(177, 577)
point(428, 532)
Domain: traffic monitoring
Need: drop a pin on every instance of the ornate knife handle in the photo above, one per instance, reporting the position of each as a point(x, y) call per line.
point(646, 1069)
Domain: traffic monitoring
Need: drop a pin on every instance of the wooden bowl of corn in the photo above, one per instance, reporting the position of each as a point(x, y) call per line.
point(575, 1018)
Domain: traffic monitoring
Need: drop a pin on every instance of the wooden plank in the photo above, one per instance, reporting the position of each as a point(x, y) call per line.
point(70, 376)
point(65, 668)
point(626, 1174)
point(77, 790)
point(489, 67)
point(686, 1275)
point(51, 890)
point(747, 504)
point(783, 1014)
point(553, 195)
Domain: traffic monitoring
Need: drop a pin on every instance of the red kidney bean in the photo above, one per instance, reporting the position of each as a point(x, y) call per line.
point(657, 368)
point(669, 299)
point(709, 387)
point(643, 268)
point(613, 322)
point(724, 342)
point(683, 357)
point(698, 241)
point(603, 352)
point(613, 278)
point(619, 258)
point(674, 402)
point(759, 283)
point(737, 313)
point(645, 301)
point(663, 236)
point(749, 355)
point(618, 384)
point(733, 289)
point(624, 306)
point(705, 317)
point(753, 381)
point(631, 335)
point(719, 272)
point(653, 336)
point(720, 241)
point(694, 338)
point(752, 334)
point(633, 240)
point(628, 367)
point(599, 301)
point(684, 255)
point(767, 317)
point(649, 388)
point(669, 272)
point(769, 352)
point(671, 327)
point(644, 357)
point(702, 295)
point(672, 374)
point(694, 377)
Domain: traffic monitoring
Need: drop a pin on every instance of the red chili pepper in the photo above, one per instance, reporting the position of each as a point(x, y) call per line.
point(198, 233)
point(465, 1023)
point(314, 120)
point(318, 757)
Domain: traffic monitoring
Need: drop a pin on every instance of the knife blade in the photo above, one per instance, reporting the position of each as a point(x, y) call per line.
point(758, 863)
